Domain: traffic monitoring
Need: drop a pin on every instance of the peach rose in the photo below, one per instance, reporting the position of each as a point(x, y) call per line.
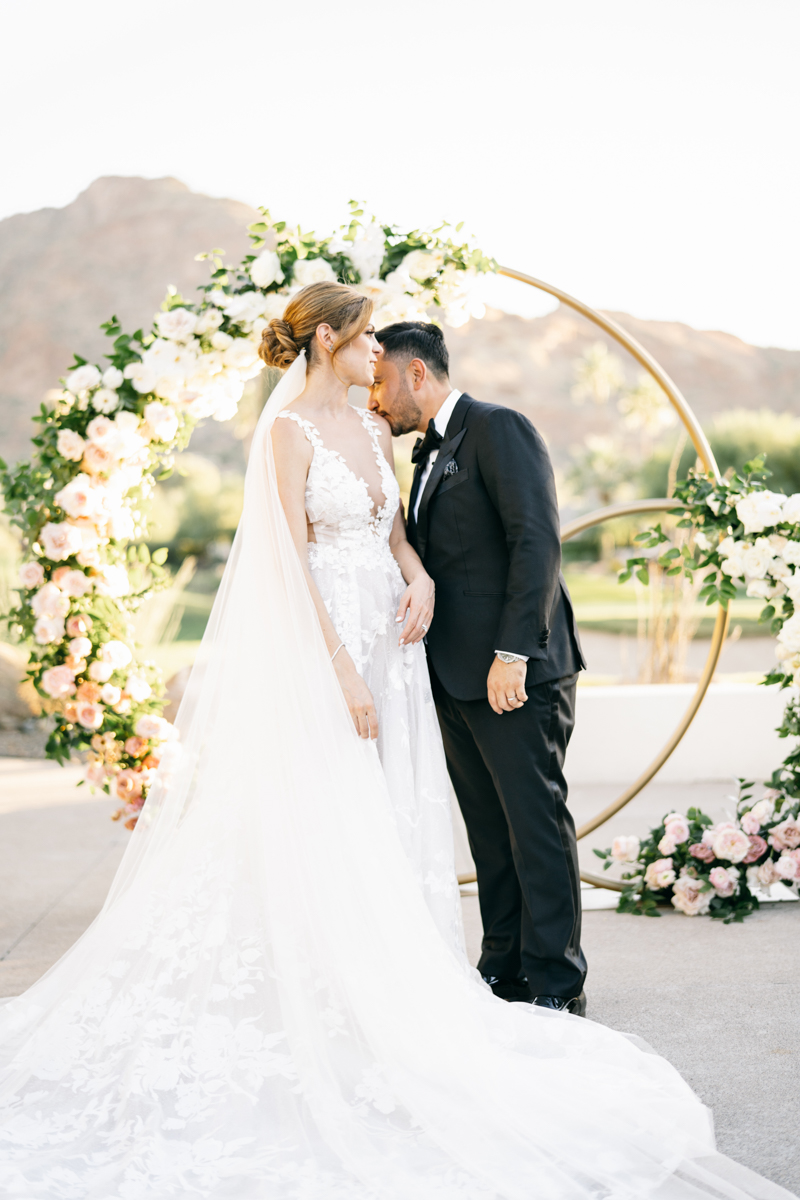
point(31, 574)
point(730, 843)
point(667, 845)
point(97, 460)
point(660, 874)
point(676, 827)
point(58, 682)
point(90, 716)
point(89, 692)
point(151, 763)
point(786, 835)
point(76, 665)
point(702, 851)
point(79, 624)
point(136, 746)
point(71, 711)
point(689, 898)
point(757, 847)
point(100, 672)
point(767, 874)
point(48, 629)
point(128, 784)
point(70, 445)
point(79, 497)
point(123, 707)
point(724, 880)
point(60, 540)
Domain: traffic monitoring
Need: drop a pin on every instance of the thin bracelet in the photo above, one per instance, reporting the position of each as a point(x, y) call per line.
point(336, 651)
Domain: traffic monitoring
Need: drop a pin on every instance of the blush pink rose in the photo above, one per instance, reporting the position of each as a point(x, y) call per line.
point(90, 716)
point(786, 835)
point(702, 851)
point(660, 874)
point(79, 647)
point(730, 843)
point(96, 773)
point(117, 654)
point(689, 898)
point(676, 827)
point(128, 784)
point(623, 849)
point(79, 624)
point(100, 672)
point(31, 574)
point(48, 629)
point(757, 847)
point(58, 682)
point(724, 880)
point(767, 875)
point(750, 823)
point(157, 728)
point(100, 429)
point(60, 540)
point(70, 445)
point(136, 746)
point(97, 460)
point(73, 582)
point(788, 866)
point(667, 845)
point(49, 601)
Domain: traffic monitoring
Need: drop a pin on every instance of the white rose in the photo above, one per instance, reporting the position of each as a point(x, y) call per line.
point(789, 635)
point(116, 653)
point(100, 671)
point(758, 559)
point(78, 498)
point(777, 542)
point(70, 445)
point(163, 420)
point(79, 647)
point(209, 318)
point(312, 270)
point(220, 340)
point(153, 727)
point(75, 583)
point(791, 553)
point(125, 441)
point(423, 264)
point(244, 307)
point(792, 583)
point(366, 252)
point(138, 688)
point(733, 566)
point(141, 375)
point(625, 849)
point(178, 324)
point(110, 694)
point(759, 509)
point(113, 581)
point(48, 629)
point(701, 541)
point(60, 540)
point(112, 377)
point(729, 547)
point(99, 430)
point(791, 509)
point(274, 306)
point(240, 355)
point(31, 574)
point(83, 378)
point(105, 400)
point(266, 269)
point(121, 525)
point(759, 589)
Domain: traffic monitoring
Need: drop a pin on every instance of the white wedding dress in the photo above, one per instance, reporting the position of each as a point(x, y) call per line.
point(266, 1008)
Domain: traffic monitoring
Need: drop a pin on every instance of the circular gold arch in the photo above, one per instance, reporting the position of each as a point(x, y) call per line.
point(704, 453)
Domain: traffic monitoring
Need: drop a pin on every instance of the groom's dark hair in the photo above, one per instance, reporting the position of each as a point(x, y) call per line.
point(416, 339)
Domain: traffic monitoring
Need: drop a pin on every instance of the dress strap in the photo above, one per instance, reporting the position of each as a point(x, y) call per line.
point(311, 431)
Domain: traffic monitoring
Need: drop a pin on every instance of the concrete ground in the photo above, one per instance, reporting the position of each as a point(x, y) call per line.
point(722, 1003)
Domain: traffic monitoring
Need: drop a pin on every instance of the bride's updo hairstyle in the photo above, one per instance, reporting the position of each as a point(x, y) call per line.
point(346, 311)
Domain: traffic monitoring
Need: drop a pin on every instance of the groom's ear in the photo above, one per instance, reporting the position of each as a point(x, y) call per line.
point(416, 373)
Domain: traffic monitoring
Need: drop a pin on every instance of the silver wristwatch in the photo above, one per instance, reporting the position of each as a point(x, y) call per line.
point(509, 658)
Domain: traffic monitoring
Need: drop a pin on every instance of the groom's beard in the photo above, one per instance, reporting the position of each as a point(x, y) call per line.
point(405, 415)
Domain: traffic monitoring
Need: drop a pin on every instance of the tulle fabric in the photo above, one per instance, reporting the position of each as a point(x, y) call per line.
point(265, 1006)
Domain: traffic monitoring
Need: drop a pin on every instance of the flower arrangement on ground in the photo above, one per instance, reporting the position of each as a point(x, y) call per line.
point(112, 434)
point(705, 868)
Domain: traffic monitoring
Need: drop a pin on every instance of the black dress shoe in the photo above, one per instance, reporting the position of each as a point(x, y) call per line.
point(514, 990)
point(576, 1005)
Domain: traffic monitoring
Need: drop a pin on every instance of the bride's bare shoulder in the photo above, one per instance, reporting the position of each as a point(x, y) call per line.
point(289, 439)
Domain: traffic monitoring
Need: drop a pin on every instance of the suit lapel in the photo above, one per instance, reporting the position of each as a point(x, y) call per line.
point(453, 437)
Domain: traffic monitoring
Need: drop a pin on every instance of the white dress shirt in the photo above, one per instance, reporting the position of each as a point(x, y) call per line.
point(440, 422)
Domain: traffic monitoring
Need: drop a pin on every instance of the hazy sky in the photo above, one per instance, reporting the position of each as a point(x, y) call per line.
point(641, 154)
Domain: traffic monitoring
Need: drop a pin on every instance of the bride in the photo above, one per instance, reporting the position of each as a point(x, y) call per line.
point(274, 1003)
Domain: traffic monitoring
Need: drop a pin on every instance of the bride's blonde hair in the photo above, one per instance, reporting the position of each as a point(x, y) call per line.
point(334, 304)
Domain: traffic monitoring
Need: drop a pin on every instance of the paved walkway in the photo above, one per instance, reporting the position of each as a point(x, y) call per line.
point(720, 1002)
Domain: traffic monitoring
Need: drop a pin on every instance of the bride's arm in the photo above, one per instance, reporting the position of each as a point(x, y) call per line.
point(417, 600)
point(293, 456)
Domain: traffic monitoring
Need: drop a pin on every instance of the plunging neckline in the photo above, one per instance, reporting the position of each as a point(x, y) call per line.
point(376, 511)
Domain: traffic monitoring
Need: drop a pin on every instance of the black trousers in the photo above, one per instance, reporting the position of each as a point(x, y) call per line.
point(507, 772)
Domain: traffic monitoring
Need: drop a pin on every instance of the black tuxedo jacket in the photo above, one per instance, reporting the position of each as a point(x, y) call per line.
point(489, 536)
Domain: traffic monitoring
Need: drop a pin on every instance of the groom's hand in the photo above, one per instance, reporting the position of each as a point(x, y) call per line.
point(506, 685)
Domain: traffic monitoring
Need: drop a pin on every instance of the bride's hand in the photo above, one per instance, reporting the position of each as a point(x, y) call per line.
point(358, 696)
point(417, 603)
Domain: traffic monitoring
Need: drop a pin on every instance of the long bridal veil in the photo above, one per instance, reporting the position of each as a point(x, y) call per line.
point(264, 1006)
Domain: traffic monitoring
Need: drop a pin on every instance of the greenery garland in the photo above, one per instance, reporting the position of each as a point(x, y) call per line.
point(81, 502)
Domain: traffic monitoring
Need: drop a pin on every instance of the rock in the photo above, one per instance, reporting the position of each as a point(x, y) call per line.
point(19, 702)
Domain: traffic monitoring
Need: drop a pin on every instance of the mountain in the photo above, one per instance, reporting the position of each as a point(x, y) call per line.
point(122, 241)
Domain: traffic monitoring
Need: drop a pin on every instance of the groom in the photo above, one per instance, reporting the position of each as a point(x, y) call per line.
point(504, 656)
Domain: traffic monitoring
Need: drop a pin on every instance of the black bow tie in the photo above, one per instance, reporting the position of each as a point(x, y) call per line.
point(424, 445)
